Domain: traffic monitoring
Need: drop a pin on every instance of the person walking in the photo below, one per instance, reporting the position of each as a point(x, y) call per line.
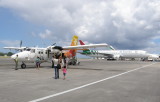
point(16, 62)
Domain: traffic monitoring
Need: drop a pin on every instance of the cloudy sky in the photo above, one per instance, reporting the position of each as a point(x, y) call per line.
point(124, 24)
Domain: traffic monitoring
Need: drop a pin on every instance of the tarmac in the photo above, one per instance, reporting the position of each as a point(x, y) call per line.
point(91, 81)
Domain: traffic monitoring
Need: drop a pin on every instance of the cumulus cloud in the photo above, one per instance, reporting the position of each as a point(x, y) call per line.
point(46, 35)
point(124, 24)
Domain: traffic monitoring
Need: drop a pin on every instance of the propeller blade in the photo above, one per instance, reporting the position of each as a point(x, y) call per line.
point(53, 44)
point(21, 43)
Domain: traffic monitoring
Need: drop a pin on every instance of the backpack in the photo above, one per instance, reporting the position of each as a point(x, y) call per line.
point(58, 66)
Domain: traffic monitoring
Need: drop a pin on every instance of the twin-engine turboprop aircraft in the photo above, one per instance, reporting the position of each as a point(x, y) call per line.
point(45, 54)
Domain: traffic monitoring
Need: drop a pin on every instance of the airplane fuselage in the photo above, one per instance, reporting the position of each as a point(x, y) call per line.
point(30, 56)
point(118, 54)
point(127, 53)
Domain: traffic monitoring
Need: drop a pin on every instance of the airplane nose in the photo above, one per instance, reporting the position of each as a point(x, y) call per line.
point(13, 56)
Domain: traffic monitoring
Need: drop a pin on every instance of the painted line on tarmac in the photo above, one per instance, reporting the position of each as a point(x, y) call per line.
point(80, 87)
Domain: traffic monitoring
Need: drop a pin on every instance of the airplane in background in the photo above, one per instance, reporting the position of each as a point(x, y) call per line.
point(118, 54)
point(45, 54)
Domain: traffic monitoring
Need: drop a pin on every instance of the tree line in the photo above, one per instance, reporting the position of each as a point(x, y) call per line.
point(8, 54)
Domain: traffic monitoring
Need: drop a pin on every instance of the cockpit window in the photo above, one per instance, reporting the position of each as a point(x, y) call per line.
point(32, 50)
point(28, 49)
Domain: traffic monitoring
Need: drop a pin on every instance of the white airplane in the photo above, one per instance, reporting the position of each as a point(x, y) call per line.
point(45, 54)
point(117, 54)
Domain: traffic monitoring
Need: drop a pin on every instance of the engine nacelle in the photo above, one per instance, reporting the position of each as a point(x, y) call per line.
point(55, 49)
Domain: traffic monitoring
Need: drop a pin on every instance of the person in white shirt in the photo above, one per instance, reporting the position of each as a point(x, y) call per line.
point(55, 61)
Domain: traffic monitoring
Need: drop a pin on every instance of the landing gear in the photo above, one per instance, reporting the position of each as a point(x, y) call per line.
point(23, 65)
point(73, 61)
point(78, 63)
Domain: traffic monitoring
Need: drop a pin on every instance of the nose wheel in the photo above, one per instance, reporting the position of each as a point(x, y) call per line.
point(23, 66)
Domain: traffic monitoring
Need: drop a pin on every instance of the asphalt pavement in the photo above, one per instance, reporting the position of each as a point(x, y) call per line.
point(91, 81)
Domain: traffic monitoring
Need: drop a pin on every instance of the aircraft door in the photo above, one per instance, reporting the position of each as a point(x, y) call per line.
point(45, 55)
point(32, 55)
point(42, 55)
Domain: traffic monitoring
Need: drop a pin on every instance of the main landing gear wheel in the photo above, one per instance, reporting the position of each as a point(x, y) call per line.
point(23, 66)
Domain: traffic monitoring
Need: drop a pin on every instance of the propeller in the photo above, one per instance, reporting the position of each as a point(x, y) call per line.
point(56, 50)
point(53, 44)
point(20, 43)
point(58, 47)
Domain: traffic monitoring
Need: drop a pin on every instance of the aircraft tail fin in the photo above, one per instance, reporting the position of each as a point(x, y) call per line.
point(81, 42)
point(74, 40)
point(72, 52)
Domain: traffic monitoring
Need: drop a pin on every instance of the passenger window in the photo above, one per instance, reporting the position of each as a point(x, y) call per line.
point(41, 52)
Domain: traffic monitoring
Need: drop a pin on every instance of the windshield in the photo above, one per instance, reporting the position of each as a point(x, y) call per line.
point(32, 50)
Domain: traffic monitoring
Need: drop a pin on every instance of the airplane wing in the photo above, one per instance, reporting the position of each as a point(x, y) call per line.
point(85, 46)
point(17, 48)
point(14, 48)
